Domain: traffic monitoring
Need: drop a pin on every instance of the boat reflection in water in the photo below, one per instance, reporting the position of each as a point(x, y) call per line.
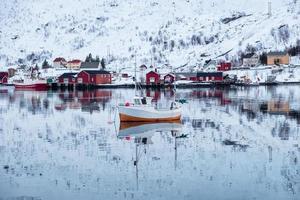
point(146, 129)
point(142, 133)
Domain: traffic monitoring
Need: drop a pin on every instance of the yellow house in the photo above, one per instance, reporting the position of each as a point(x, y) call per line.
point(74, 64)
point(277, 58)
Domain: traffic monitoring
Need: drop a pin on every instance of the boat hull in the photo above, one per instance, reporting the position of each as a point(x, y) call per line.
point(148, 114)
point(35, 86)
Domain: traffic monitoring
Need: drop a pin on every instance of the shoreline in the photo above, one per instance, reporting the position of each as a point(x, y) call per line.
point(55, 86)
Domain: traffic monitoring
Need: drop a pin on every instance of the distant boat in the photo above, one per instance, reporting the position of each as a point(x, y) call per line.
point(31, 84)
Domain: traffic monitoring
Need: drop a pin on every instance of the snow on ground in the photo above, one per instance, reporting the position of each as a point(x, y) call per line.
point(156, 32)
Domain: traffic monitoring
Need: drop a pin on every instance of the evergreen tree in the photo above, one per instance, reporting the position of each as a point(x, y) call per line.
point(97, 59)
point(45, 64)
point(263, 58)
point(103, 63)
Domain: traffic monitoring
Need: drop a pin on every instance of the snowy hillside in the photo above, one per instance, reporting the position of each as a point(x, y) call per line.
point(159, 31)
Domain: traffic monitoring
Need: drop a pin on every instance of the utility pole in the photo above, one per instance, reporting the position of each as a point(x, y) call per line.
point(269, 9)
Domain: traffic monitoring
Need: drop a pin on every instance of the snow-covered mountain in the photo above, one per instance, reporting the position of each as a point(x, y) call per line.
point(178, 32)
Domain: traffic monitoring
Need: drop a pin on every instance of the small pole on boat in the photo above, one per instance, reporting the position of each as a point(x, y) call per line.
point(135, 86)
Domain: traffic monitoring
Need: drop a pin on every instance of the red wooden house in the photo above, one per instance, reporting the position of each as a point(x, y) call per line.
point(67, 78)
point(224, 66)
point(152, 78)
point(94, 77)
point(188, 76)
point(3, 77)
point(210, 76)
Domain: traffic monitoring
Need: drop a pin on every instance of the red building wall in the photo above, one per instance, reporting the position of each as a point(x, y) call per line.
point(3, 77)
point(83, 78)
point(71, 80)
point(225, 66)
point(152, 76)
point(102, 79)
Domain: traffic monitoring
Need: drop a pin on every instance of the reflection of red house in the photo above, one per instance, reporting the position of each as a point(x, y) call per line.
point(3, 77)
point(224, 66)
point(169, 78)
point(155, 94)
point(67, 78)
point(152, 78)
point(94, 77)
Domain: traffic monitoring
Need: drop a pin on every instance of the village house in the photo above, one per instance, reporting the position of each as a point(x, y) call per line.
point(210, 76)
point(188, 76)
point(94, 77)
point(90, 65)
point(250, 60)
point(278, 58)
point(67, 78)
point(152, 78)
point(74, 64)
point(59, 62)
point(224, 66)
point(3, 77)
point(169, 78)
point(143, 69)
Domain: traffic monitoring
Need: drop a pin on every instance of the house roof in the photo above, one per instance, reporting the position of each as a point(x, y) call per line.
point(89, 65)
point(186, 74)
point(169, 74)
point(74, 61)
point(67, 75)
point(143, 66)
point(249, 55)
point(59, 59)
point(202, 74)
point(277, 53)
point(153, 72)
point(96, 71)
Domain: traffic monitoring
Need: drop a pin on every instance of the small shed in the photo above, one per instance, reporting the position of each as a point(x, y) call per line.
point(67, 78)
point(152, 78)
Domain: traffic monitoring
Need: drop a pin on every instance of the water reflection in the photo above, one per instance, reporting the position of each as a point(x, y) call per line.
point(142, 133)
point(232, 143)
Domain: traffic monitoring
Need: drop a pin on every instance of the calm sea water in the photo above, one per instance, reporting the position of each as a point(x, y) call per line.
point(234, 143)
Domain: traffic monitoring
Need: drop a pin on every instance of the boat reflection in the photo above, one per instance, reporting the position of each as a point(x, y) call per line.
point(142, 132)
point(146, 129)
